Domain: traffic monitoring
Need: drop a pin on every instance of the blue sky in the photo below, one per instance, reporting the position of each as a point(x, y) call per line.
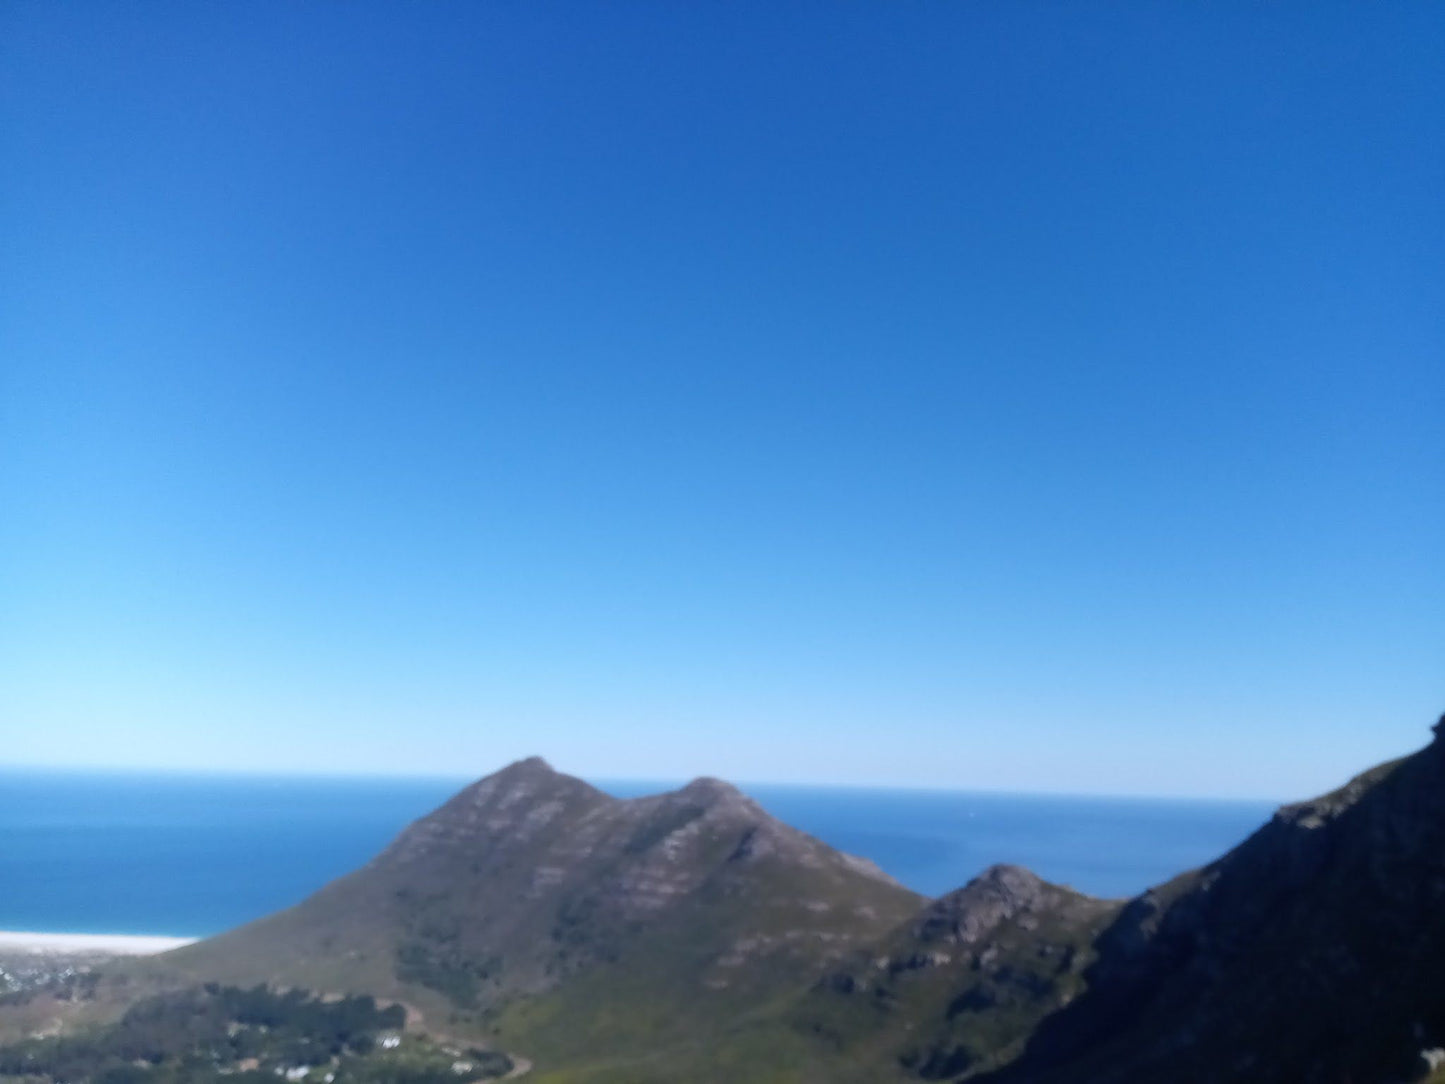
point(1033, 396)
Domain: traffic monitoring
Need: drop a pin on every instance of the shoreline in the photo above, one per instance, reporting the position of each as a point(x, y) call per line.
point(99, 944)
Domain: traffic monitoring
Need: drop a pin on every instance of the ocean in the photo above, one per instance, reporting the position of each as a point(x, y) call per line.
point(190, 855)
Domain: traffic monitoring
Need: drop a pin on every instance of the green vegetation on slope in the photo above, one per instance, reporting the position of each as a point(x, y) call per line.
point(215, 1034)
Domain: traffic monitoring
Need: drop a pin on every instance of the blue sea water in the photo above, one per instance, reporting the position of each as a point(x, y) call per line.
point(194, 855)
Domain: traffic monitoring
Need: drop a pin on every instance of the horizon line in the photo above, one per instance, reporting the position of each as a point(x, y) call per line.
point(602, 782)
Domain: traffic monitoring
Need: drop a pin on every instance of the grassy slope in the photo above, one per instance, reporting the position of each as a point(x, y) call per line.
point(668, 1005)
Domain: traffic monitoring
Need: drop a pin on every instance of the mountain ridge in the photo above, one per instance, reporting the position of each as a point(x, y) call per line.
point(1309, 952)
point(691, 936)
point(531, 884)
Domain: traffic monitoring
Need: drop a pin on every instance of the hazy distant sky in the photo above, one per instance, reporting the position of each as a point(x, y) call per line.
point(1043, 396)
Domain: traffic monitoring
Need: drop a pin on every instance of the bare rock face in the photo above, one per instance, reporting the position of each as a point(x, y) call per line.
point(967, 915)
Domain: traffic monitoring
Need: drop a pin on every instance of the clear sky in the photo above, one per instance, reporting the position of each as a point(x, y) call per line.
point(1040, 396)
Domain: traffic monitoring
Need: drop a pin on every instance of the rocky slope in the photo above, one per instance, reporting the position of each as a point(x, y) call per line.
point(1314, 951)
point(960, 987)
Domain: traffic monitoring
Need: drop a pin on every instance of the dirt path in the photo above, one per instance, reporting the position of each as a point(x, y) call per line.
point(520, 1067)
point(416, 1021)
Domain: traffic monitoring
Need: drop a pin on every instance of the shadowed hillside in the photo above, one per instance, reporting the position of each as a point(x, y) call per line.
point(1313, 952)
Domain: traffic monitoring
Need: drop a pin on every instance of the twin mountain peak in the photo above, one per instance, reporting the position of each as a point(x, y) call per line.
point(530, 818)
point(692, 936)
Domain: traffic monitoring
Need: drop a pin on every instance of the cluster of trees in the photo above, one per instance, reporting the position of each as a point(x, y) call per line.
point(444, 970)
point(190, 1035)
point(25, 985)
point(487, 1064)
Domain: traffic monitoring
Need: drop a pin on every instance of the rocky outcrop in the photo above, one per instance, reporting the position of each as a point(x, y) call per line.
point(1000, 893)
point(959, 988)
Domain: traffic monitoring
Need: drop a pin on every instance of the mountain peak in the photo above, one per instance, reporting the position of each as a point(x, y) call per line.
point(516, 803)
point(527, 781)
point(999, 894)
point(532, 765)
point(711, 791)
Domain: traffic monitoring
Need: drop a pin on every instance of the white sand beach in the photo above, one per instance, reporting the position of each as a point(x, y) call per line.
point(100, 944)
